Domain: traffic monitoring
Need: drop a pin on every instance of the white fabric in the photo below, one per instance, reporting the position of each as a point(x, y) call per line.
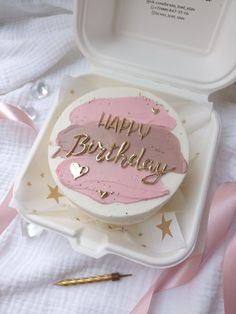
point(36, 43)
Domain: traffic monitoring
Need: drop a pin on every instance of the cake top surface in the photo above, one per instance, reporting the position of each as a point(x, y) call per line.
point(116, 147)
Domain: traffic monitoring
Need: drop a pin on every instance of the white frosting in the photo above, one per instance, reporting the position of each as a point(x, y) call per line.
point(118, 213)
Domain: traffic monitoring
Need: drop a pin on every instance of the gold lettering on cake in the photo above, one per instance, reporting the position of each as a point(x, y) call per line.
point(110, 152)
point(118, 154)
point(100, 156)
point(77, 143)
point(92, 148)
point(158, 173)
point(113, 124)
point(123, 125)
point(140, 158)
point(133, 127)
point(142, 135)
point(108, 121)
point(100, 122)
point(132, 161)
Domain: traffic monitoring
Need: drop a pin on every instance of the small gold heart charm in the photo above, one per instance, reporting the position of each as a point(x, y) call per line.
point(78, 171)
point(103, 194)
point(155, 110)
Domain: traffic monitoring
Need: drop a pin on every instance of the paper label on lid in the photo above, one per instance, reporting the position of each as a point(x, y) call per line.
point(190, 24)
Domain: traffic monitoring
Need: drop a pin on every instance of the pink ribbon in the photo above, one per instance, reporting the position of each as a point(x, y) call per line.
point(221, 216)
point(6, 213)
point(9, 112)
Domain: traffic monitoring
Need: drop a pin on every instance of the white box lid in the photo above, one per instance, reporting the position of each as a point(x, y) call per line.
point(189, 44)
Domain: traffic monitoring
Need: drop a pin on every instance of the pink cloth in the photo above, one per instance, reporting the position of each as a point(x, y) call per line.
point(6, 213)
point(222, 212)
point(9, 112)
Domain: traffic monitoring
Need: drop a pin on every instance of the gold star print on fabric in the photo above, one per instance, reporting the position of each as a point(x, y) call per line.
point(165, 227)
point(54, 193)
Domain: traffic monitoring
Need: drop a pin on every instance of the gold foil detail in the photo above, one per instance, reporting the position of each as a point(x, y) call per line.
point(92, 148)
point(124, 125)
point(110, 152)
point(165, 227)
point(77, 170)
point(142, 135)
point(82, 144)
point(119, 125)
point(134, 160)
point(54, 193)
point(118, 153)
point(133, 127)
point(114, 124)
point(158, 173)
point(103, 194)
point(100, 156)
point(155, 110)
point(100, 122)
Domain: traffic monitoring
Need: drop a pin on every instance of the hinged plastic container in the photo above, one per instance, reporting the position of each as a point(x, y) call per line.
point(179, 50)
point(184, 44)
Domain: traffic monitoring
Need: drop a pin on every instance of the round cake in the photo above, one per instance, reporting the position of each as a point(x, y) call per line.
point(118, 154)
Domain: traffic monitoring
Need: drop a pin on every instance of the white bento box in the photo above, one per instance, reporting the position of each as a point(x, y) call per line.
point(181, 51)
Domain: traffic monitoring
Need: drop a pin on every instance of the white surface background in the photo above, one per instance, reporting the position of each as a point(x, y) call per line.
point(36, 43)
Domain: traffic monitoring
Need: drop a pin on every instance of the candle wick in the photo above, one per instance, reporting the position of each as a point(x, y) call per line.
point(125, 275)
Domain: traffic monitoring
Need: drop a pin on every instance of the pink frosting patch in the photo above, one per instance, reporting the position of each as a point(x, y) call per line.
point(133, 108)
point(123, 185)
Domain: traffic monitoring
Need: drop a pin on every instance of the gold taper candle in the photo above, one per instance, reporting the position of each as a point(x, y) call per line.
point(98, 278)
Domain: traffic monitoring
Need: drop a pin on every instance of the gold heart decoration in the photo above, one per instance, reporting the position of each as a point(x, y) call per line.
point(78, 171)
point(155, 110)
point(103, 194)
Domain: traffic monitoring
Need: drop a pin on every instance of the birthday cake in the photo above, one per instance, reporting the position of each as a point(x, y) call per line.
point(118, 154)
